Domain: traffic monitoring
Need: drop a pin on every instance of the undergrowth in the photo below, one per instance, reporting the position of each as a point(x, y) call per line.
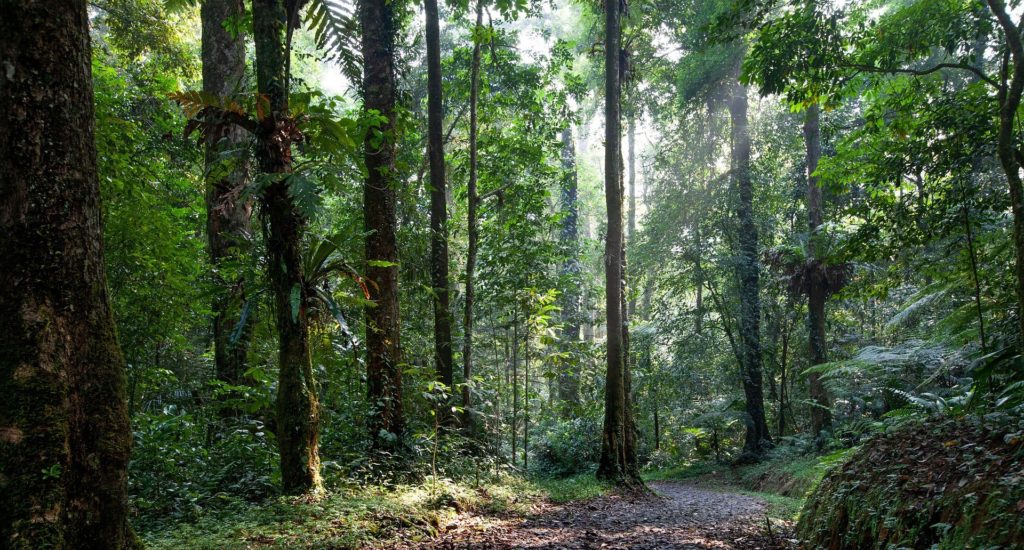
point(352, 517)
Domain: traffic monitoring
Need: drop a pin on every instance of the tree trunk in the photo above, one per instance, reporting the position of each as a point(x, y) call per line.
point(298, 410)
point(821, 415)
point(227, 215)
point(617, 463)
point(568, 380)
point(64, 431)
point(473, 227)
point(383, 363)
point(757, 435)
point(438, 210)
point(1009, 97)
point(515, 379)
point(631, 218)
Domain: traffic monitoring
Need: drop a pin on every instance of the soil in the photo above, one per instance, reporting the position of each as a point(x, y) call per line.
point(674, 516)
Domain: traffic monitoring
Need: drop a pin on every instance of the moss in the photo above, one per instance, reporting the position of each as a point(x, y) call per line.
point(942, 483)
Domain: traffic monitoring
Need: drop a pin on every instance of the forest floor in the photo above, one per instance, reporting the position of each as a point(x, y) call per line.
point(675, 515)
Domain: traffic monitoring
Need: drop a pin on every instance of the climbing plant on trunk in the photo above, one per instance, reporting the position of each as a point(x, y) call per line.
point(384, 356)
point(298, 411)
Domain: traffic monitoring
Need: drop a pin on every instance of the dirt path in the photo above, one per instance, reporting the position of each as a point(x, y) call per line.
point(678, 516)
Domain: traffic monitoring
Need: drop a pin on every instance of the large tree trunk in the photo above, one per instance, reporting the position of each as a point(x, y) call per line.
point(473, 227)
point(1009, 97)
point(384, 352)
point(298, 411)
point(438, 209)
point(568, 380)
point(64, 432)
point(618, 461)
point(227, 215)
point(821, 415)
point(757, 436)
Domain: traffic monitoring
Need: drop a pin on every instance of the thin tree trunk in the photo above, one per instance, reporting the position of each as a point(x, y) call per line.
point(568, 380)
point(757, 435)
point(298, 410)
point(384, 352)
point(65, 438)
point(472, 225)
point(821, 415)
point(515, 379)
point(227, 214)
point(616, 463)
point(631, 218)
point(438, 210)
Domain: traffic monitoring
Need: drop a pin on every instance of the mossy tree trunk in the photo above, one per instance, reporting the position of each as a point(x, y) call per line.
point(65, 438)
point(298, 410)
point(383, 364)
point(227, 215)
point(749, 268)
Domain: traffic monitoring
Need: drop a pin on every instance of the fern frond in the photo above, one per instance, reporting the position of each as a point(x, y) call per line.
point(336, 34)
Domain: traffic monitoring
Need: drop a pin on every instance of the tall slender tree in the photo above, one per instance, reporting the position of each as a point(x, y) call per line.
point(438, 207)
point(618, 458)
point(568, 381)
point(817, 285)
point(383, 347)
point(472, 223)
point(748, 271)
point(298, 409)
point(64, 433)
point(227, 214)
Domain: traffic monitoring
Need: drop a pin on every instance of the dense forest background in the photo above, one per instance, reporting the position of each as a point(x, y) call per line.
point(378, 246)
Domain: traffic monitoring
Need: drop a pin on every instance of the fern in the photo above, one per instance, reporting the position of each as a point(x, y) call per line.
point(336, 34)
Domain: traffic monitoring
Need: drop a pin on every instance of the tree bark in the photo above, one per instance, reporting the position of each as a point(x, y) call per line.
point(438, 210)
point(65, 437)
point(631, 218)
point(298, 409)
point(384, 353)
point(1009, 98)
point(227, 214)
point(568, 380)
point(821, 415)
point(473, 228)
point(757, 435)
point(617, 462)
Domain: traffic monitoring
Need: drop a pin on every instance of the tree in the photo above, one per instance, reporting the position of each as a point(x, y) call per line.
point(438, 207)
point(472, 223)
point(227, 214)
point(618, 458)
point(748, 270)
point(817, 285)
point(65, 439)
point(298, 409)
point(568, 381)
point(384, 356)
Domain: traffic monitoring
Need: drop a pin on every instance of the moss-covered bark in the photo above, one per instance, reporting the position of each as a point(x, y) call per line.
point(298, 409)
point(748, 269)
point(227, 214)
point(64, 433)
